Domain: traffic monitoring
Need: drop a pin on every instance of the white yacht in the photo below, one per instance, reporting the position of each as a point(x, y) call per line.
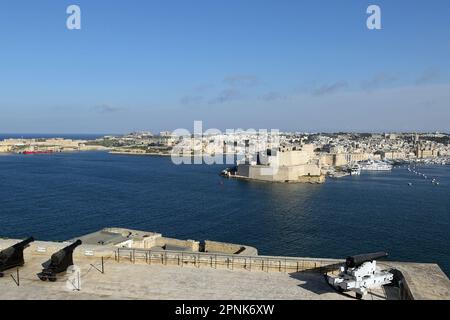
point(376, 166)
point(355, 170)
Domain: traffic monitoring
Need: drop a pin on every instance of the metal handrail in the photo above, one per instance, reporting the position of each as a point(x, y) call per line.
point(263, 263)
point(275, 258)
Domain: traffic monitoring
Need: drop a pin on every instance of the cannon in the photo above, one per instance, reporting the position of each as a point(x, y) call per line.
point(357, 260)
point(13, 256)
point(360, 274)
point(59, 262)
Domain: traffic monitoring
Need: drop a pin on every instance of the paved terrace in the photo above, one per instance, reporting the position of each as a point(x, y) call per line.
point(125, 280)
point(162, 277)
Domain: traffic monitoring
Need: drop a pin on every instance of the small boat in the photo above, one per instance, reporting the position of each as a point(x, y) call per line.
point(228, 172)
point(37, 152)
point(371, 165)
point(355, 170)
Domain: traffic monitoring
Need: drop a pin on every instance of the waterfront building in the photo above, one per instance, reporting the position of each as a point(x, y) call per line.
point(393, 155)
point(344, 159)
point(5, 148)
point(283, 165)
point(426, 151)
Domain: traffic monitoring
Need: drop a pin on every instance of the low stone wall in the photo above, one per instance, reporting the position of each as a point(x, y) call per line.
point(422, 281)
point(303, 179)
point(190, 245)
point(229, 248)
point(180, 258)
point(227, 261)
point(300, 173)
point(312, 179)
point(46, 249)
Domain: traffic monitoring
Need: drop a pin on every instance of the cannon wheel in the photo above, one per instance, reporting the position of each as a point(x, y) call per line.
point(359, 296)
point(42, 277)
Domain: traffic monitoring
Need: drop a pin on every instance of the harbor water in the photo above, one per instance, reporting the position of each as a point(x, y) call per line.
point(61, 196)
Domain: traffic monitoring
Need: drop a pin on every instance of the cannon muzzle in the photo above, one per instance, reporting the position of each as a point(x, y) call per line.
point(357, 260)
point(23, 243)
point(72, 246)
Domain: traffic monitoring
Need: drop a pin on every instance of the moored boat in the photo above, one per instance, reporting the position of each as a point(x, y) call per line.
point(37, 152)
point(376, 166)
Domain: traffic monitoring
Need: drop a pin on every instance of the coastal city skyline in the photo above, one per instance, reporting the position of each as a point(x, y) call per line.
point(313, 66)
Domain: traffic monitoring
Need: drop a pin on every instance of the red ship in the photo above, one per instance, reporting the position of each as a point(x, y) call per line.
point(37, 152)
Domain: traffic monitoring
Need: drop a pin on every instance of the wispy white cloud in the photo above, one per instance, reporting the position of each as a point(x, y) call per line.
point(379, 80)
point(398, 108)
point(203, 88)
point(272, 96)
point(227, 96)
point(105, 108)
point(428, 76)
point(191, 100)
point(244, 80)
point(327, 89)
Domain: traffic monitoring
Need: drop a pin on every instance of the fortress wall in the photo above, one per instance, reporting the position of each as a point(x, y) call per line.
point(229, 248)
point(192, 245)
point(45, 249)
point(291, 174)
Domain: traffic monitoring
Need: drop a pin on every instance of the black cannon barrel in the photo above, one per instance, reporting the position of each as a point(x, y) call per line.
point(23, 243)
point(72, 246)
point(357, 260)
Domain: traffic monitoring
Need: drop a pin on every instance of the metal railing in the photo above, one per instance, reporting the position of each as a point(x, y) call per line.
point(225, 261)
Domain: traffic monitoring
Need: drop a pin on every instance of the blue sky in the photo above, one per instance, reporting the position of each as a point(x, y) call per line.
point(160, 65)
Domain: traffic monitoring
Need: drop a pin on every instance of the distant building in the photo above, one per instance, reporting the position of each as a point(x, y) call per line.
point(343, 159)
point(426, 151)
point(5, 148)
point(283, 165)
point(393, 155)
